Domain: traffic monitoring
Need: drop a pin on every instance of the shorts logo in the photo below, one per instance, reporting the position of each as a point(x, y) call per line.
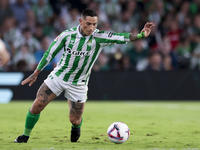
point(78, 101)
point(77, 53)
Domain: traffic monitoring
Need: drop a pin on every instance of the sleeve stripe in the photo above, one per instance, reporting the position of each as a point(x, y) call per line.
point(111, 37)
point(54, 48)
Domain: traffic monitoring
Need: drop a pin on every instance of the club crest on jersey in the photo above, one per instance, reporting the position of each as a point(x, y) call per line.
point(56, 39)
point(89, 43)
point(77, 53)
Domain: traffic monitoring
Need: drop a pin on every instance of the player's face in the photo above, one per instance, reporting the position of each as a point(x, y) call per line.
point(88, 25)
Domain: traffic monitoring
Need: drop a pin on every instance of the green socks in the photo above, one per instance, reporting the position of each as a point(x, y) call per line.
point(79, 124)
point(31, 120)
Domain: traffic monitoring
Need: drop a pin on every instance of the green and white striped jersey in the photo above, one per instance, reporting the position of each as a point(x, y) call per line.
point(80, 53)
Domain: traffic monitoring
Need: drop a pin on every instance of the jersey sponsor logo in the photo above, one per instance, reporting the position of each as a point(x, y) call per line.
point(77, 53)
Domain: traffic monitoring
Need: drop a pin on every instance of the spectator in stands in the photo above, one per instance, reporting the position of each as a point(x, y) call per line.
point(173, 19)
point(60, 25)
point(27, 57)
point(183, 52)
point(102, 63)
point(74, 17)
point(138, 55)
point(102, 16)
point(124, 64)
point(21, 65)
point(60, 7)
point(43, 11)
point(156, 11)
point(174, 34)
point(111, 8)
point(182, 13)
point(196, 31)
point(155, 62)
point(38, 34)
point(166, 51)
point(124, 24)
point(31, 21)
point(167, 63)
point(11, 34)
point(5, 10)
point(195, 58)
point(28, 39)
point(20, 9)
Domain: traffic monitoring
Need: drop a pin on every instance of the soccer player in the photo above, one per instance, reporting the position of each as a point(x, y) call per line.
point(82, 45)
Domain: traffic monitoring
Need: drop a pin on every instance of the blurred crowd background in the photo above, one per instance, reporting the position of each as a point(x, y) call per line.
point(29, 26)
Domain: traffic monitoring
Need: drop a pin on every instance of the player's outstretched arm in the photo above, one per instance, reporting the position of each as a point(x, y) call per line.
point(144, 33)
point(32, 78)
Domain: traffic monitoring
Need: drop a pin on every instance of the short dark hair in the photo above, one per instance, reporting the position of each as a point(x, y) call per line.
point(88, 12)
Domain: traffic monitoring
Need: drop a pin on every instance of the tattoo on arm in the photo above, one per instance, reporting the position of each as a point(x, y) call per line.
point(32, 76)
point(76, 109)
point(43, 93)
point(133, 37)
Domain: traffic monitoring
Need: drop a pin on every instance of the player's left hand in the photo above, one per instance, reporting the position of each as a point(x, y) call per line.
point(147, 28)
point(32, 78)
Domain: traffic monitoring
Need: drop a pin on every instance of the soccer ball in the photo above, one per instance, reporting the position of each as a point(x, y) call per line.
point(118, 132)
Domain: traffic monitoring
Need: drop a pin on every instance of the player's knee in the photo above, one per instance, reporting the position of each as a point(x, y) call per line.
point(37, 107)
point(34, 110)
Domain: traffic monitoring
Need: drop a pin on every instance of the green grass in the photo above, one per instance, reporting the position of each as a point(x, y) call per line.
point(153, 125)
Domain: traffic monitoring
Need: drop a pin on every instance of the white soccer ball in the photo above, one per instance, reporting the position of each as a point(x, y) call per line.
point(118, 132)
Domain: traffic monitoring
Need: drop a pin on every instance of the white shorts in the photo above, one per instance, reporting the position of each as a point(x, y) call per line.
point(75, 93)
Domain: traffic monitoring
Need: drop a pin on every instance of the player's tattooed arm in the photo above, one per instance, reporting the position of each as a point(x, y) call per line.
point(133, 37)
point(144, 33)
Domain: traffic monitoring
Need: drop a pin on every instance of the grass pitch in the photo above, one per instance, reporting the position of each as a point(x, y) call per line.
point(153, 125)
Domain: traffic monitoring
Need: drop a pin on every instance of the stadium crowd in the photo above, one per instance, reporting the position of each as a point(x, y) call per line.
point(29, 26)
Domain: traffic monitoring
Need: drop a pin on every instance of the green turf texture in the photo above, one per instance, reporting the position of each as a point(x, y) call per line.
point(153, 125)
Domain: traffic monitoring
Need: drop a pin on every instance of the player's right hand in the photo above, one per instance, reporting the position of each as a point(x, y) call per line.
point(32, 78)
